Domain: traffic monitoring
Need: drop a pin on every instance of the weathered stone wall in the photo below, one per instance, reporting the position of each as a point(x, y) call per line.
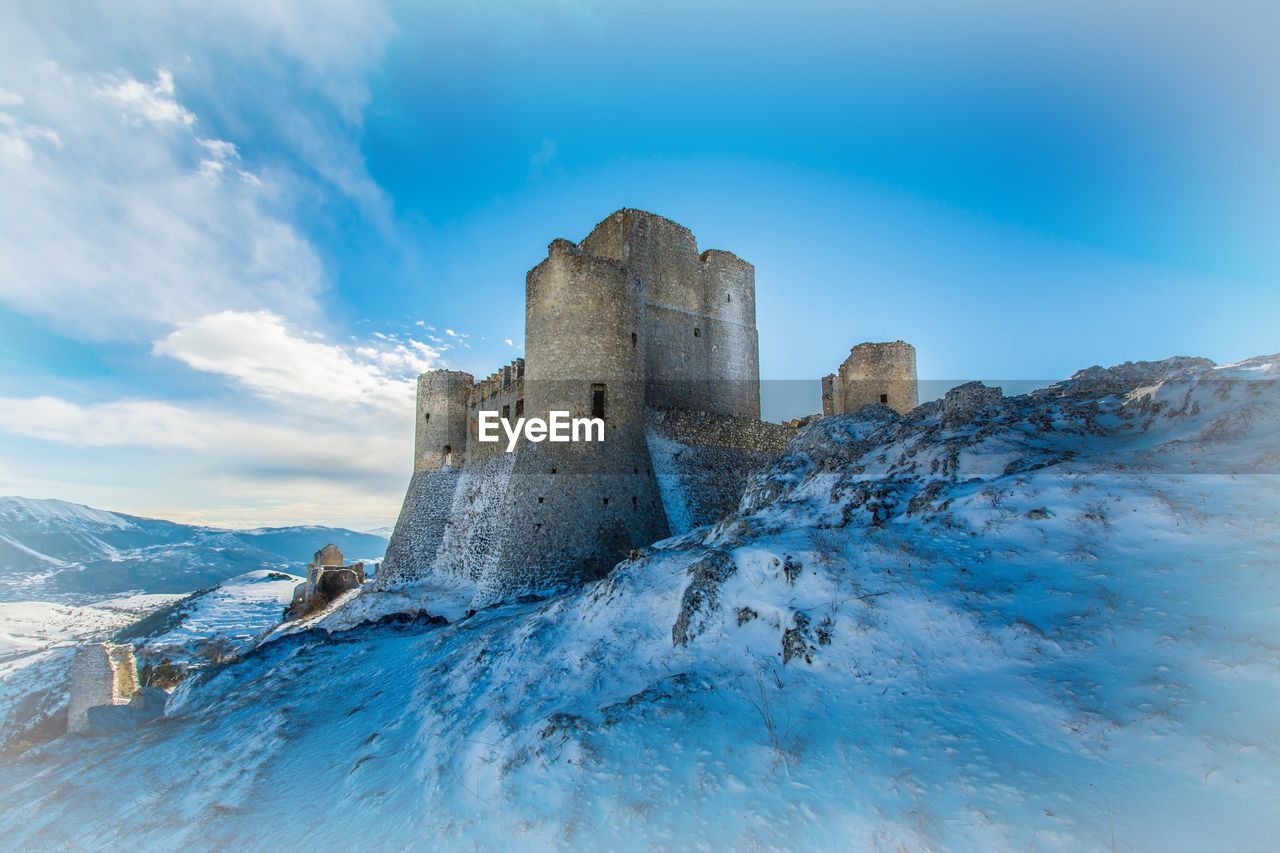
point(699, 324)
point(501, 392)
point(710, 429)
point(421, 526)
point(101, 674)
point(703, 461)
point(636, 310)
point(574, 509)
point(441, 435)
point(874, 374)
point(469, 544)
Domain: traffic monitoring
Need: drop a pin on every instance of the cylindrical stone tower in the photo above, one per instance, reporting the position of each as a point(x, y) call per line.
point(729, 291)
point(699, 314)
point(441, 436)
point(881, 374)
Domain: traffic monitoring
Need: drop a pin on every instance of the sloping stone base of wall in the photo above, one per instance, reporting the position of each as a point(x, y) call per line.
point(450, 524)
point(421, 525)
point(702, 461)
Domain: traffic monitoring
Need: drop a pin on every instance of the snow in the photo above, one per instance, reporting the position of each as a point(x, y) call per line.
point(27, 626)
point(897, 643)
point(31, 552)
point(239, 610)
point(54, 512)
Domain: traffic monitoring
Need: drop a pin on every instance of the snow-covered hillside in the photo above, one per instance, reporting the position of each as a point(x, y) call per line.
point(38, 639)
point(58, 551)
point(1049, 621)
point(236, 613)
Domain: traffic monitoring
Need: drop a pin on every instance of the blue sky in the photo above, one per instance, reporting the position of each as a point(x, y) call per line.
point(230, 234)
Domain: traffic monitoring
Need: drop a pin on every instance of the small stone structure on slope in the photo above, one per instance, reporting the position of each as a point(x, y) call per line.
point(874, 374)
point(328, 577)
point(101, 674)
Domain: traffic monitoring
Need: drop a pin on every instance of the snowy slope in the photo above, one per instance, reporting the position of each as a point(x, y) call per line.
point(239, 611)
point(1049, 621)
point(59, 551)
point(37, 640)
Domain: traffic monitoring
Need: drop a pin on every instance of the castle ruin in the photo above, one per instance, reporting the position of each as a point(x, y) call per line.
point(881, 374)
point(328, 577)
point(635, 326)
point(101, 674)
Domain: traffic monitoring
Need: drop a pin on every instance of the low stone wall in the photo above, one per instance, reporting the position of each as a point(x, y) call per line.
point(705, 429)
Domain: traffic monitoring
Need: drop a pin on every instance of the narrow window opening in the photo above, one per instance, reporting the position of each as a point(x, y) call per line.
point(697, 333)
point(428, 417)
point(606, 501)
point(519, 408)
point(633, 340)
point(884, 398)
point(539, 500)
point(728, 297)
point(597, 400)
point(506, 413)
point(634, 501)
point(447, 455)
point(553, 470)
point(635, 470)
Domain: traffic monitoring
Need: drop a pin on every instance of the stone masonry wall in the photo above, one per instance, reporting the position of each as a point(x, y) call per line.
point(699, 325)
point(703, 461)
point(101, 674)
point(882, 374)
point(637, 312)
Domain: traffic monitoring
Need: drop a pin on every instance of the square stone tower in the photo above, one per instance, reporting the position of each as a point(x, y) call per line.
point(632, 320)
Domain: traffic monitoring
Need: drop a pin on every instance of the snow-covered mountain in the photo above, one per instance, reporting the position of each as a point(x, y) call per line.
point(1048, 621)
point(61, 551)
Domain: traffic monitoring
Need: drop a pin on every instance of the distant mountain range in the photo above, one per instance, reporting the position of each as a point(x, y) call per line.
point(69, 552)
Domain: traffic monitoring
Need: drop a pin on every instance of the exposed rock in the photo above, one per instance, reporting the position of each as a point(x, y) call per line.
point(961, 403)
point(701, 596)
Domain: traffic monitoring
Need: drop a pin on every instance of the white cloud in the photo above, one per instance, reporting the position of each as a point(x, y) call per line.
point(509, 342)
point(126, 227)
point(258, 350)
point(157, 424)
point(250, 469)
point(154, 103)
point(137, 211)
point(159, 201)
point(148, 423)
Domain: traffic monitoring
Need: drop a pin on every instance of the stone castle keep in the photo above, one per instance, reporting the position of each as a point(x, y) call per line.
point(633, 325)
